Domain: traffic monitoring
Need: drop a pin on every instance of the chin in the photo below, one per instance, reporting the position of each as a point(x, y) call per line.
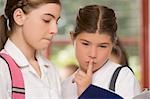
point(42, 48)
point(95, 70)
point(45, 46)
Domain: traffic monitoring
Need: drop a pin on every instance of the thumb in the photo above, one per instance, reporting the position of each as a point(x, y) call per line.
point(90, 68)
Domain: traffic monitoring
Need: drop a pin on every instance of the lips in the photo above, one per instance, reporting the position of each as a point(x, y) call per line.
point(94, 62)
point(49, 39)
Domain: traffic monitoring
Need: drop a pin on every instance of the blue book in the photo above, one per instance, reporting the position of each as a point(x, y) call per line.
point(95, 92)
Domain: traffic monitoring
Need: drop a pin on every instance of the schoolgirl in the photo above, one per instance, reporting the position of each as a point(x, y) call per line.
point(93, 38)
point(26, 28)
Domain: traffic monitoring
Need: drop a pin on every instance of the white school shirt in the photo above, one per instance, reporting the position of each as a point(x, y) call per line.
point(46, 87)
point(126, 85)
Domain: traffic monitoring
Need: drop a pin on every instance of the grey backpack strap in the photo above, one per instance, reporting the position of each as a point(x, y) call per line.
point(115, 76)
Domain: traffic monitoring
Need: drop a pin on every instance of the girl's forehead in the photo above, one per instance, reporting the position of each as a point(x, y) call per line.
point(94, 37)
point(49, 8)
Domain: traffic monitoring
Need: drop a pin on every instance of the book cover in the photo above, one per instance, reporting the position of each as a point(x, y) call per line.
point(95, 92)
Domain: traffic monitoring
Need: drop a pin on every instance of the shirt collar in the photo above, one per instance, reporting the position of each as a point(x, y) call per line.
point(19, 57)
point(42, 60)
point(107, 65)
point(103, 67)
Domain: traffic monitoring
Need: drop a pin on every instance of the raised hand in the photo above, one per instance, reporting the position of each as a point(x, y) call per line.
point(84, 79)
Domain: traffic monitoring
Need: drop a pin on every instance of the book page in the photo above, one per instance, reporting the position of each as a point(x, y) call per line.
point(143, 95)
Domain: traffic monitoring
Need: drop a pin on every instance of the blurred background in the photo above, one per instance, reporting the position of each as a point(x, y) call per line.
point(133, 25)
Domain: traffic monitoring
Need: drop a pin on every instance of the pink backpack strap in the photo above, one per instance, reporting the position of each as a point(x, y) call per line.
point(18, 90)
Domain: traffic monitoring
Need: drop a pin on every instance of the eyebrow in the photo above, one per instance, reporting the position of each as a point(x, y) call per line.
point(84, 40)
point(52, 15)
point(90, 42)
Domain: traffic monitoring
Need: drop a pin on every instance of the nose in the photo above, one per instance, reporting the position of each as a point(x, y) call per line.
point(53, 29)
point(93, 52)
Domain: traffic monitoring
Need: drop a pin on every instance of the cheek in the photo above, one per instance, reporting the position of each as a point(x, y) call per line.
point(80, 54)
point(32, 36)
point(104, 54)
point(34, 24)
point(30, 33)
point(34, 28)
point(30, 27)
point(102, 57)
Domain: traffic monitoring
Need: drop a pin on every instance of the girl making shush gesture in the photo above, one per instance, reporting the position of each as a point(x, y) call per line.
point(93, 39)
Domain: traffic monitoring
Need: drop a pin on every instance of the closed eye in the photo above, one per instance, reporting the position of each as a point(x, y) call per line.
point(85, 43)
point(46, 21)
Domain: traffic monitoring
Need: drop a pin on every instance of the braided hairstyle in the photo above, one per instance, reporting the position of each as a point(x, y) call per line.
point(96, 18)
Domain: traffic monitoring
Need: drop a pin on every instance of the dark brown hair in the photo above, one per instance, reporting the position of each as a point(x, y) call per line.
point(96, 18)
point(119, 51)
point(7, 21)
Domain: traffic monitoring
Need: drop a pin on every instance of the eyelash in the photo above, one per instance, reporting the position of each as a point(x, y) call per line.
point(85, 44)
point(102, 46)
point(46, 21)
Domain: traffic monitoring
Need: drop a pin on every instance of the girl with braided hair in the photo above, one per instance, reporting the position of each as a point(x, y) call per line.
point(93, 38)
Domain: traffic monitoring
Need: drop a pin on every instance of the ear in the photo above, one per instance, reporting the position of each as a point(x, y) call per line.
point(19, 16)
